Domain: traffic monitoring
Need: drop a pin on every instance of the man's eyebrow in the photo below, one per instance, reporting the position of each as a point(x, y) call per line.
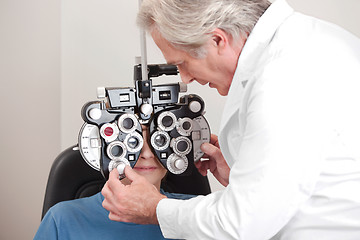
point(173, 62)
point(170, 62)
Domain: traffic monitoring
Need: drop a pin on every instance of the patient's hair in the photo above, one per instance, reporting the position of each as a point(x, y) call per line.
point(188, 24)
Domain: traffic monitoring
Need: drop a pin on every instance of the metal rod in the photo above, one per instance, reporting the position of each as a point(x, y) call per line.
point(144, 72)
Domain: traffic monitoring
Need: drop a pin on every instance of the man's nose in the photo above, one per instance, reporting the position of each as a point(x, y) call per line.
point(185, 76)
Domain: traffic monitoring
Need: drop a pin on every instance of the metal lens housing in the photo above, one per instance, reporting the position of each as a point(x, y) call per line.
point(127, 123)
point(177, 164)
point(160, 140)
point(109, 132)
point(134, 142)
point(90, 145)
point(116, 150)
point(166, 121)
point(115, 163)
point(181, 145)
point(184, 126)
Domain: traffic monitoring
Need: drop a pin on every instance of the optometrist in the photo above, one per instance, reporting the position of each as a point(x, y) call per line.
point(288, 150)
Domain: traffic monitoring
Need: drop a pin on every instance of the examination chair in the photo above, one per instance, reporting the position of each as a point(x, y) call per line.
point(71, 178)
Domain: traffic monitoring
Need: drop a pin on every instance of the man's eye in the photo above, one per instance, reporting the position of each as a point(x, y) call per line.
point(180, 64)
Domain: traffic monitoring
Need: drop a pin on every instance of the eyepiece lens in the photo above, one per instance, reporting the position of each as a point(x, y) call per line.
point(182, 146)
point(133, 142)
point(186, 125)
point(160, 140)
point(117, 151)
point(128, 123)
point(167, 121)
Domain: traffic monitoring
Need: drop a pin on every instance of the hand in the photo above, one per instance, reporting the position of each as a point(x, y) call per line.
point(215, 163)
point(134, 203)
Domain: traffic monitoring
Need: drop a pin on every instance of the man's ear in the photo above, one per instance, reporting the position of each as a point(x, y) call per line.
point(220, 39)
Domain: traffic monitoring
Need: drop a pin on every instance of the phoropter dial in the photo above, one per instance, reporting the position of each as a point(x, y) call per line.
point(184, 126)
point(181, 145)
point(116, 150)
point(90, 145)
point(134, 142)
point(127, 123)
point(109, 132)
point(160, 140)
point(166, 121)
point(177, 164)
point(119, 164)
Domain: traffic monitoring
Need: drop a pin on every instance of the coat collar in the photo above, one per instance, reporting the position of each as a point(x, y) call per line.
point(257, 41)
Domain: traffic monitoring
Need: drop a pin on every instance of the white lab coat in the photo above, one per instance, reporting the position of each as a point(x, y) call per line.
point(290, 133)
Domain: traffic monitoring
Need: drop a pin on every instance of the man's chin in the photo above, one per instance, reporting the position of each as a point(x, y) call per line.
point(222, 92)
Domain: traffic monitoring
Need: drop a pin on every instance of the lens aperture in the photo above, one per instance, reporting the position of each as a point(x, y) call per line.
point(133, 142)
point(128, 123)
point(167, 121)
point(117, 151)
point(182, 146)
point(160, 140)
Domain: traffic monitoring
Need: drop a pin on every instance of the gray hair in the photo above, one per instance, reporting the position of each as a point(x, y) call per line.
point(188, 24)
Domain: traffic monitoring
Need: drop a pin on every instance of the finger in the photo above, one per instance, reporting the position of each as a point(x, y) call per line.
point(115, 217)
point(203, 167)
point(114, 174)
point(211, 150)
point(212, 166)
point(214, 140)
point(108, 206)
point(131, 174)
point(197, 163)
point(113, 182)
point(205, 156)
point(105, 191)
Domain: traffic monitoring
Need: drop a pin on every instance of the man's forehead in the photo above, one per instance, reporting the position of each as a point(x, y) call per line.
point(171, 54)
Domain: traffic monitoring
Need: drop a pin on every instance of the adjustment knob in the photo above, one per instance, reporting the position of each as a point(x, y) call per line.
point(183, 87)
point(179, 164)
point(95, 113)
point(101, 93)
point(181, 145)
point(121, 168)
point(109, 132)
point(146, 109)
point(195, 106)
point(119, 164)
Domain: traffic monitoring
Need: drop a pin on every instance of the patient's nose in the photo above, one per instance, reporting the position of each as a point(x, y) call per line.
point(146, 152)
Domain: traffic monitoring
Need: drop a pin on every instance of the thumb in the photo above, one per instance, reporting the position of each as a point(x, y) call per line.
point(114, 174)
point(131, 174)
point(211, 150)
